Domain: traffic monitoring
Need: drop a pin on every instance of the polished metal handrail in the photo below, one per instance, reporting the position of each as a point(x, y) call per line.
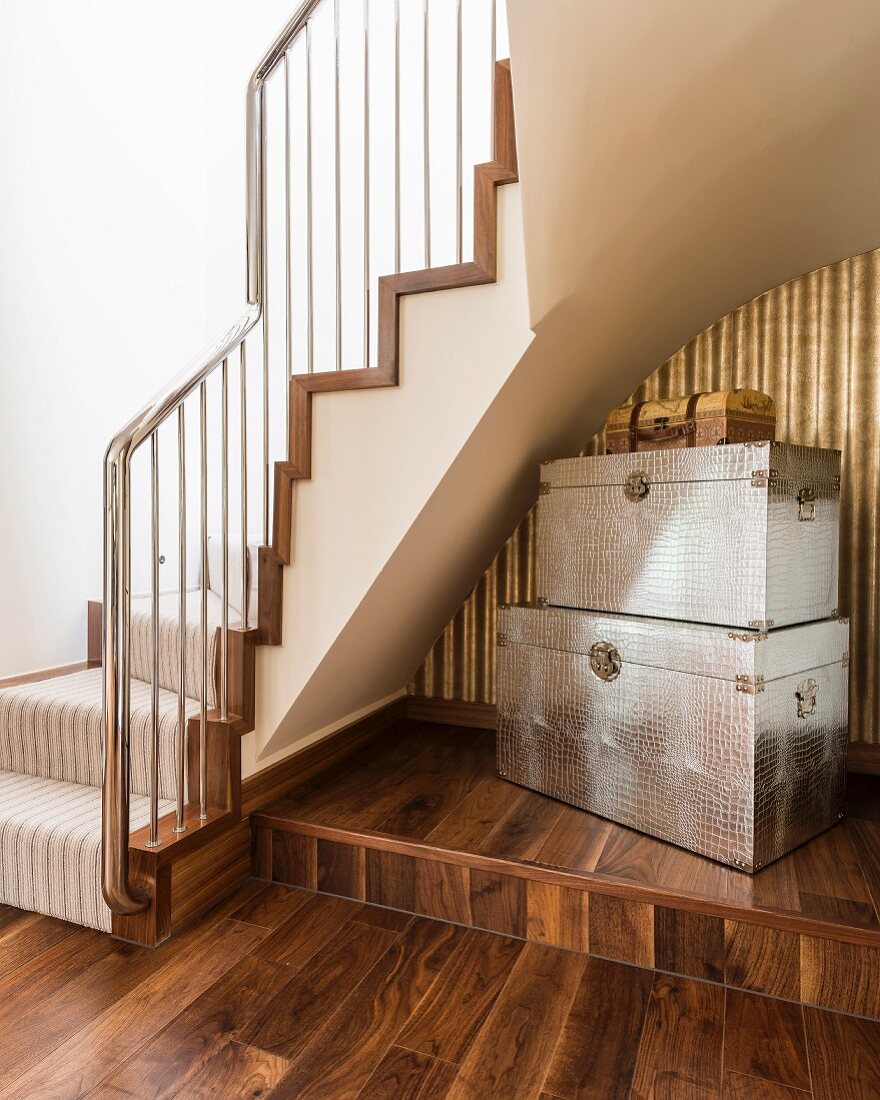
point(119, 893)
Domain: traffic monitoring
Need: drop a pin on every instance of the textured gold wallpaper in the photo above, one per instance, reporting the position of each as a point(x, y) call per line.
point(814, 345)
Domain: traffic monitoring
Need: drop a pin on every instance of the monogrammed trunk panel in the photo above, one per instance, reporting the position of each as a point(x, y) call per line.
point(739, 535)
point(730, 744)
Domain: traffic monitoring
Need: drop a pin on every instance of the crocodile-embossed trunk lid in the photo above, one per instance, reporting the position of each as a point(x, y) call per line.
point(743, 535)
point(732, 748)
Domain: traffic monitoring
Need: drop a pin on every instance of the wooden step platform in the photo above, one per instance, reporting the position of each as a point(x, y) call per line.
point(419, 821)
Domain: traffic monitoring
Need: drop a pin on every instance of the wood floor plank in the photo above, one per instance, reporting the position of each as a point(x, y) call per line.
point(774, 887)
point(829, 871)
point(44, 975)
point(596, 1055)
point(763, 959)
point(341, 869)
point(739, 1087)
point(842, 976)
point(379, 917)
point(689, 943)
point(25, 936)
point(307, 930)
point(179, 1053)
point(681, 1047)
point(557, 915)
point(235, 1072)
point(373, 798)
point(499, 902)
point(764, 1037)
point(284, 1024)
point(407, 1075)
point(34, 1030)
point(475, 816)
point(510, 1056)
point(365, 797)
point(522, 830)
point(449, 1018)
point(271, 906)
point(390, 879)
point(443, 890)
point(576, 841)
point(622, 929)
point(394, 749)
point(639, 858)
point(444, 792)
point(865, 839)
point(75, 1067)
point(844, 1055)
point(344, 1053)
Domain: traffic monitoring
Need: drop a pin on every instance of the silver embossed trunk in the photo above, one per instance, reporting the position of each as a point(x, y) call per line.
point(728, 743)
point(740, 535)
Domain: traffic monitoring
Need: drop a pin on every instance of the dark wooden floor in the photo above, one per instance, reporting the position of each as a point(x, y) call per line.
point(286, 993)
point(438, 784)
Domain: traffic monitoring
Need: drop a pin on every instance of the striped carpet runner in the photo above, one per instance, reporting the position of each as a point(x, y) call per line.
point(51, 749)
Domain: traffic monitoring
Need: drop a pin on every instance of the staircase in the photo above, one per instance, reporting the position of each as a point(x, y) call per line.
point(51, 746)
point(121, 795)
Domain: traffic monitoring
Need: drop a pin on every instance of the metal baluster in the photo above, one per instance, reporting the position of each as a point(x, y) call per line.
point(366, 183)
point(458, 139)
point(179, 826)
point(426, 127)
point(154, 841)
point(310, 288)
point(397, 135)
point(338, 193)
point(493, 46)
point(203, 709)
point(288, 312)
point(265, 280)
point(244, 490)
point(224, 492)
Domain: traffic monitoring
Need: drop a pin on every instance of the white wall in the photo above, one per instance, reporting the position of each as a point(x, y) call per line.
point(102, 224)
point(111, 121)
point(380, 461)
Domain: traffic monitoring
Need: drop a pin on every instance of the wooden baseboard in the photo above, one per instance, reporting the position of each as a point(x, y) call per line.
point(47, 674)
point(264, 787)
point(863, 758)
point(452, 712)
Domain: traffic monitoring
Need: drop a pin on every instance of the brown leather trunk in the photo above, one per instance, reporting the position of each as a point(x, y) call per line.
point(695, 420)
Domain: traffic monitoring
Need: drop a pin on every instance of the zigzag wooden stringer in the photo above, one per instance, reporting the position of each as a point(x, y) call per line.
point(487, 177)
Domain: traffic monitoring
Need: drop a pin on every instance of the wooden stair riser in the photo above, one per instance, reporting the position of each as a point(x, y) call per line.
point(535, 903)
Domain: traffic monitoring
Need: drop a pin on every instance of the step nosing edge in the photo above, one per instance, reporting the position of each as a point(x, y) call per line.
point(591, 881)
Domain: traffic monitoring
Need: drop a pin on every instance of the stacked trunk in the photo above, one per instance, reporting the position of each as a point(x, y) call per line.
point(684, 670)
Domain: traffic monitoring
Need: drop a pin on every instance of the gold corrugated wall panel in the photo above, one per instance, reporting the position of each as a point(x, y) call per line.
point(462, 663)
point(814, 345)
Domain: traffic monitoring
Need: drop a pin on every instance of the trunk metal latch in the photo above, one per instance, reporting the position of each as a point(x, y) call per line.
point(807, 695)
point(636, 485)
point(806, 504)
point(605, 661)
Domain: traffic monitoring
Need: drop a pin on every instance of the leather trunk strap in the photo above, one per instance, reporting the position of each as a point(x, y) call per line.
point(691, 417)
point(688, 427)
point(634, 426)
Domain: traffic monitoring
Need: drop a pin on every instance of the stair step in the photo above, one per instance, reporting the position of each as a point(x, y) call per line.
point(425, 825)
point(53, 729)
point(169, 642)
point(50, 847)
